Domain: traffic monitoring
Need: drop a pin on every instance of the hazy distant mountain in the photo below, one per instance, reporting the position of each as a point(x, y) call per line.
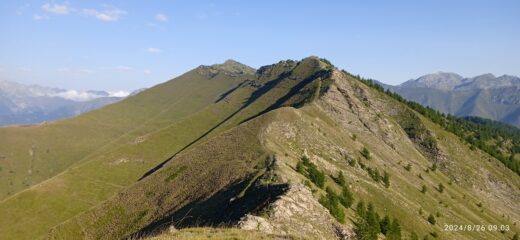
point(486, 96)
point(24, 104)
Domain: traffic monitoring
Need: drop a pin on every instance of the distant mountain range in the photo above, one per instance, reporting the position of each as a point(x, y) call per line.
point(485, 96)
point(30, 104)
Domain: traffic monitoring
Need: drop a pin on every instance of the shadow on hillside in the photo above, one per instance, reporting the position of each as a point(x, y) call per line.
point(254, 96)
point(224, 208)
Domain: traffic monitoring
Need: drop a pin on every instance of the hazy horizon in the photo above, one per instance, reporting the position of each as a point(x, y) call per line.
point(103, 45)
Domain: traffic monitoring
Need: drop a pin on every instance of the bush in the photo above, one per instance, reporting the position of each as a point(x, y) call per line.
point(431, 219)
point(440, 188)
point(424, 189)
point(340, 179)
point(386, 179)
point(434, 167)
point(374, 174)
point(365, 153)
point(408, 167)
point(300, 168)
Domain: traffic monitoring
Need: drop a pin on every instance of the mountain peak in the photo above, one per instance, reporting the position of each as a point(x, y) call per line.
point(233, 66)
point(439, 80)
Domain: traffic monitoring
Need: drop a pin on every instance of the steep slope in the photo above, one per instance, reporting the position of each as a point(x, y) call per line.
point(485, 96)
point(28, 156)
point(264, 174)
point(182, 124)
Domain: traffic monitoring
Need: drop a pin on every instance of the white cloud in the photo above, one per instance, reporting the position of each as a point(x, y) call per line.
point(153, 50)
point(80, 96)
point(122, 68)
point(145, 71)
point(38, 17)
point(60, 9)
point(161, 17)
point(118, 94)
point(109, 14)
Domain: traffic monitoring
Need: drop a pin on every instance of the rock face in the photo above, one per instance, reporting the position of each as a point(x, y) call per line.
point(297, 213)
point(485, 96)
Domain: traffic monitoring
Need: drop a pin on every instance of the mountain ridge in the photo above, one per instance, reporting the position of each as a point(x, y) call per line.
point(278, 151)
point(485, 95)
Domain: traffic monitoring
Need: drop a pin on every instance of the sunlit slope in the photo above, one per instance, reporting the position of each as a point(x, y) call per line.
point(100, 176)
point(249, 168)
point(31, 154)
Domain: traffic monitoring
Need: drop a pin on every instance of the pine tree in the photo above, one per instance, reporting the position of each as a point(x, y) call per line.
point(394, 231)
point(372, 221)
point(340, 179)
point(360, 209)
point(346, 199)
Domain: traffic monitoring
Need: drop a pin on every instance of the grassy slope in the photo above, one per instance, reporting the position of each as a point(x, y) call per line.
point(124, 159)
point(28, 155)
point(100, 176)
point(220, 234)
point(324, 130)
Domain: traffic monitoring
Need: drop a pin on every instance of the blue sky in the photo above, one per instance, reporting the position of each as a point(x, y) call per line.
point(125, 45)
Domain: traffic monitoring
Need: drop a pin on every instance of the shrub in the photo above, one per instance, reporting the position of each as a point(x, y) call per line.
point(408, 167)
point(434, 167)
point(365, 153)
point(386, 179)
point(340, 179)
point(440, 188)
point(424, 189)
point(431, 219)
point(300, 168)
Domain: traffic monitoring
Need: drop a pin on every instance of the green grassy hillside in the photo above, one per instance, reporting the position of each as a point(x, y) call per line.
point(181, 125)
point(278, 172)
point(31, 154)
point(225, 146)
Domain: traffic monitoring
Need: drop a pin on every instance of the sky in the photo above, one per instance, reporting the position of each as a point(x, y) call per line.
point(127, 45)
